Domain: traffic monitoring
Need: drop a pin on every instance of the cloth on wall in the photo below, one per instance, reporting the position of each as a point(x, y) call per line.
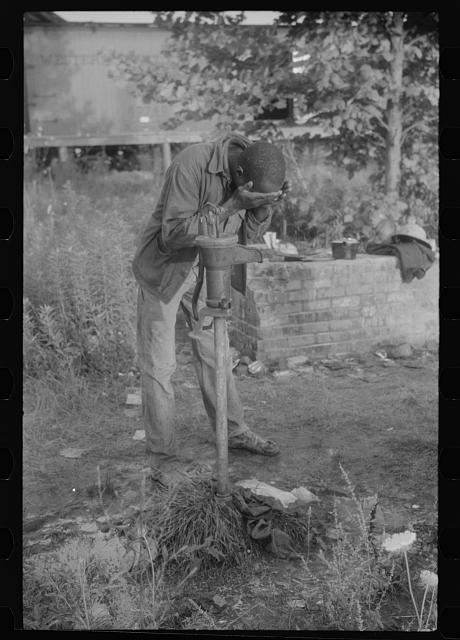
point(414, 257)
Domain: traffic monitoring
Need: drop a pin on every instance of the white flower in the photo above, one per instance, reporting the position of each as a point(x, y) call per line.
point(399, 541)
point(428, 578)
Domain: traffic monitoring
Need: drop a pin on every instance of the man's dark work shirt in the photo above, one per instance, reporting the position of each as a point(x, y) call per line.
point(199, 174)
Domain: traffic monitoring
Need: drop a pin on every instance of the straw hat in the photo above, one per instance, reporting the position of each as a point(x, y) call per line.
point(412, 232)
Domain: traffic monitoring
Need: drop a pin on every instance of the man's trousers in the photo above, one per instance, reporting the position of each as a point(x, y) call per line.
point(157, 362)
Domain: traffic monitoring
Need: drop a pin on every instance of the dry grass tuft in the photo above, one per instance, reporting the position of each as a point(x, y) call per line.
point(193, 519)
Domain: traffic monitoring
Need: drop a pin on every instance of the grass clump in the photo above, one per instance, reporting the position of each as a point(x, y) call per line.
point(202, 530)
point(295, 525)
point(87, 584)
point(194, 520)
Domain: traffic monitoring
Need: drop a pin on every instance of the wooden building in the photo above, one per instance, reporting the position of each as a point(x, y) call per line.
point(71, 98)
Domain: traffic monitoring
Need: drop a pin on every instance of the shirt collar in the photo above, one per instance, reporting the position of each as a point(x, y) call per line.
point(219, 157)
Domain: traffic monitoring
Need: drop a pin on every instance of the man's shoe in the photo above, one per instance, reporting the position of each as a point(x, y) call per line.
point(254, 443)
point(175, 474)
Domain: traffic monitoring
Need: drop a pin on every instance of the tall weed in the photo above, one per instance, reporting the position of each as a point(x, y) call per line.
point(357, 576)
point(80, 294)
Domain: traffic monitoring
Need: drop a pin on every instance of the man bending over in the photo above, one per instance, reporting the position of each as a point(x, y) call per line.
point(244, 179)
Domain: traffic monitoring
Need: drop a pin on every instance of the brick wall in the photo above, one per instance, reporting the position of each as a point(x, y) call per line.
point(332, 307)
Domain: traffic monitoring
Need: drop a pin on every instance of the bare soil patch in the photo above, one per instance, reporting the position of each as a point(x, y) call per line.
point(379, 422)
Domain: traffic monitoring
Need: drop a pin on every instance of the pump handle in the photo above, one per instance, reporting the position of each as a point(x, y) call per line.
point(198, 287)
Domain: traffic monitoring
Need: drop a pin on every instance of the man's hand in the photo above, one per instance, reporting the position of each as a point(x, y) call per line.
point(285, 188)
point(262, 213)
point(244, 198)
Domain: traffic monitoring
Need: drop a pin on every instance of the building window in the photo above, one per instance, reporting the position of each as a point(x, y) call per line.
point(283, 113)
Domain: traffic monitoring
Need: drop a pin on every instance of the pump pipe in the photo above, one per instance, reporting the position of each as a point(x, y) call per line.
point(217, 254)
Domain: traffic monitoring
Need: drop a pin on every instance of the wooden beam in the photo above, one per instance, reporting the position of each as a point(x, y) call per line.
point(120, 139)
point(139, 138)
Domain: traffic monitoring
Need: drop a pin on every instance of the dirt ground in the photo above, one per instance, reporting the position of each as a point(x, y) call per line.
point(378, 419)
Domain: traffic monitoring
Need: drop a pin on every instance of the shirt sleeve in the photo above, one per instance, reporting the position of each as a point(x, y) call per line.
point(181, 207)
point(255, 228)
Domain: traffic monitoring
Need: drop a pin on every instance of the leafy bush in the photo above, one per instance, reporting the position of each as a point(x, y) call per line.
point(80, 293)
point(325, 200)
point(79, 241)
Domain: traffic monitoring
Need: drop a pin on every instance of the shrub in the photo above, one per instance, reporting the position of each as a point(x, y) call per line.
point(326, 200)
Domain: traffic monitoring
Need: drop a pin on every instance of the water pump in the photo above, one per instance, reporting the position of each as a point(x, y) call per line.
point(217, 254)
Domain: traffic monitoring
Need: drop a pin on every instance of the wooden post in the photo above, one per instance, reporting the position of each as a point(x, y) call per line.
point(63, 154)
point(166, 155)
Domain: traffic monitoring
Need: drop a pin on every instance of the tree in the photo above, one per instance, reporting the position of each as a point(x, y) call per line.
point(369, 78)
point(213, 68)
point(372, 79)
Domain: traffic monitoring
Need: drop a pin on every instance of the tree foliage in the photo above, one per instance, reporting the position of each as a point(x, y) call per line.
point(369, 79)
point(348, 82)
point(214, 68)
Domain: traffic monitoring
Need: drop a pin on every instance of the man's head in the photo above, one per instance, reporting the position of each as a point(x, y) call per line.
point(263, 164)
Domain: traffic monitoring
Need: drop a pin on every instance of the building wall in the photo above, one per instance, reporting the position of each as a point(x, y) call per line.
point(332, 307)
point(71, 99)
point(69, 90)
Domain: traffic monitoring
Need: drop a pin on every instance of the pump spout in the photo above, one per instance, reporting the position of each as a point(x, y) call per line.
point(243, 254)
